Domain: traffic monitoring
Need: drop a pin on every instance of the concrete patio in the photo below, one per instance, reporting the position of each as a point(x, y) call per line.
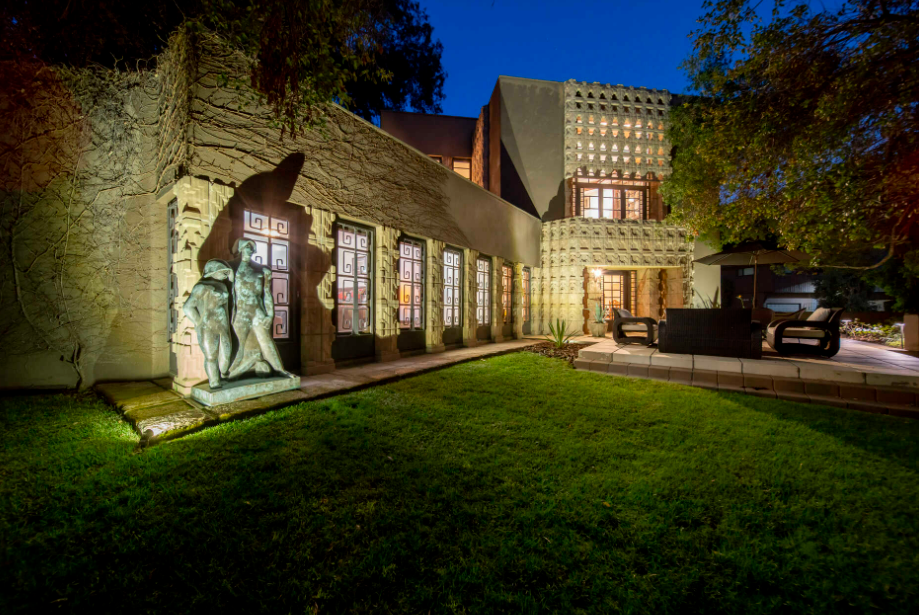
point(861, 376)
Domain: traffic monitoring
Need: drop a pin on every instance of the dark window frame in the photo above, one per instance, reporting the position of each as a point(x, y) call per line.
point(420, 243)
point(619, 191)
point(457, 287)
point(483, 309)
point(339, 276)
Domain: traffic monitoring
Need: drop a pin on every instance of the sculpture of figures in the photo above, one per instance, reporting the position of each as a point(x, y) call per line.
point(207, 309)
point(253, 315)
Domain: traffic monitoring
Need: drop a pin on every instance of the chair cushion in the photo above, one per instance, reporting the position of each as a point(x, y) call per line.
point(814, 334)
point(636, 327)
point(820, 315)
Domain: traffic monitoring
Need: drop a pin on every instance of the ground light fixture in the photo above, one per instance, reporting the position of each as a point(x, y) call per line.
point(900, 324)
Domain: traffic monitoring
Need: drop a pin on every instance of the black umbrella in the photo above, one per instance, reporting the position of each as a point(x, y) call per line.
point(753, 253)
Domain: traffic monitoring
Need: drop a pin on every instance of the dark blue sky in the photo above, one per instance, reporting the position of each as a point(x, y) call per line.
point(636, 42)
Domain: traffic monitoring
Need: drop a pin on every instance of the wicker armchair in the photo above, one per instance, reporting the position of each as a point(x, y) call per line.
point(628, 329)
point(822, 326)
point(729, 332)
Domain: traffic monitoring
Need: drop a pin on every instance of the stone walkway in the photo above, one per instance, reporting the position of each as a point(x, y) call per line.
point(861, 376)
point(158, 412)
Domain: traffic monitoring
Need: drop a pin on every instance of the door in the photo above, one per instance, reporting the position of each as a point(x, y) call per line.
point(453, 297)
point(507, 301)
point(275, 231)
point(411, 295)
point(525, 300)
point(619, 290)
point(483, 299)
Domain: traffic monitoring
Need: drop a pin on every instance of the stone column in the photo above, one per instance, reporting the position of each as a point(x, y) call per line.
point(469, 298)
point(497, 296)
point(386, 295)
point(317, 293)
point(434, 296)
point(517, 299)
point(199, 203)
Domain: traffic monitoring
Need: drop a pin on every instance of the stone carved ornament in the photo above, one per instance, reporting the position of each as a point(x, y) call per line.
point(252, 309)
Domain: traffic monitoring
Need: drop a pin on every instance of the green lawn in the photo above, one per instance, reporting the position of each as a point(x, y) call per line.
point(511, 485)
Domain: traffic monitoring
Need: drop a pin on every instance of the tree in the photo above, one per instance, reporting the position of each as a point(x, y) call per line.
point(805, 125)
point(365, 54)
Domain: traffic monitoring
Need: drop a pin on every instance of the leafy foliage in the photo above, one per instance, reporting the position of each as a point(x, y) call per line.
point(366, 54)
point(806, 127)
point(558, 333)
point(836, 288)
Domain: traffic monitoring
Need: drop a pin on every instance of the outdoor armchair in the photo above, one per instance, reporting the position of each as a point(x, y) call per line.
point(628, 329)
point(821, 326)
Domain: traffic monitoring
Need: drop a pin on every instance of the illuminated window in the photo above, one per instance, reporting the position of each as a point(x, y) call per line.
point(463, 166)
point(437, 159)
point(590, 119)
point(483, 291)
point(612, 202)
point(353, 301)
point(453, 288)
point(411, 284)
point(579, 120)
point(507, 293)
point(272, 249)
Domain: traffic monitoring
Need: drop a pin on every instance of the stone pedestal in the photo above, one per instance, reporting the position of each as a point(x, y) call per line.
point(243, 389)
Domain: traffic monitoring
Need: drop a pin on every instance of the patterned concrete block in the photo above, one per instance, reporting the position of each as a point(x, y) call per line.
point(656, 372)
point(618, 369)
point(857, 393)
point(680, 375)
point(638, 371)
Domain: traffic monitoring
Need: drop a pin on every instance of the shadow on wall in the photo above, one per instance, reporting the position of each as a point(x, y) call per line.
point(556, 210)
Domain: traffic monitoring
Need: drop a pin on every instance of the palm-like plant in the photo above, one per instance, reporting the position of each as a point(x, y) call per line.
point(558, 333)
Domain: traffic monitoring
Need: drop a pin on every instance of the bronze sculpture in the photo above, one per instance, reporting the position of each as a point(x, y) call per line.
point(253, 316)
point(207, 308)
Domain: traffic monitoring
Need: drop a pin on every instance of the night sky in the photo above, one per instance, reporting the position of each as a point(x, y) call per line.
point(636, 42)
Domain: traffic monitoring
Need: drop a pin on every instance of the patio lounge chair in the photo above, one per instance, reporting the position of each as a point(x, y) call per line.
point(822, 326)
point(628, 329)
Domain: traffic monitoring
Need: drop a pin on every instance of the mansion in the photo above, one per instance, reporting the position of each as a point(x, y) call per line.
point(425, 234)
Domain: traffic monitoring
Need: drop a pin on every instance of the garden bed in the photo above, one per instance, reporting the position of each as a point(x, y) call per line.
point(568, 352)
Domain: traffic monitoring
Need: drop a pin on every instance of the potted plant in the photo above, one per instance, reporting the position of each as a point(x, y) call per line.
point(598, 326)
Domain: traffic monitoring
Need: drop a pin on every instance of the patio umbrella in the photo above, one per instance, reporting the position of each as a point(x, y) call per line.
point(753, 253)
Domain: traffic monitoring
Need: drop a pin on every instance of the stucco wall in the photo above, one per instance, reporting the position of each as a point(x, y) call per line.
point(532, 141)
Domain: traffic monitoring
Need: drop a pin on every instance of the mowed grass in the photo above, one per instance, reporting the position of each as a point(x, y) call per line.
point(508, 485)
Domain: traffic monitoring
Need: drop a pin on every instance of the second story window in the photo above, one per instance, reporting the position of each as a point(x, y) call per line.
point(463, 166)
point(613, 202)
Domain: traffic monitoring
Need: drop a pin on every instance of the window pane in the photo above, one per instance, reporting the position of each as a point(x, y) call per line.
point(411, 276)
point(452, 288)
point(463, 166)
point(507, 294)
point(483, 291)
point(354, 289)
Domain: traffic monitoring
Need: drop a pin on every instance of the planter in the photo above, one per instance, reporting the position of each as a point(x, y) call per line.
point(911, 331)
point(597, 329)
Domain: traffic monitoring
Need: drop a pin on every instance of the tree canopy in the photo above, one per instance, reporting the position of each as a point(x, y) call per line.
point(367, 55)
point(805, 126)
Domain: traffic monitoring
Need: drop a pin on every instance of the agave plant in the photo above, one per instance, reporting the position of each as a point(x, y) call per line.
point(598, 313)
point(558, 333)
point(713, 302)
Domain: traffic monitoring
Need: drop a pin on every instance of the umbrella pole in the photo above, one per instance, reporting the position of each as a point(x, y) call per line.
point(755, 262)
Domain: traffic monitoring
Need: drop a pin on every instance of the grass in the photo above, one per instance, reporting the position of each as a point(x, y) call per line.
point(512, 485)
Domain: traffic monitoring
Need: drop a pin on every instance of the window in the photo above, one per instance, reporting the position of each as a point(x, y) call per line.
point(437, 159)
point(354, 297)
point(507, 293)
point(453, 288)
point(620, 290)
point(745, 271)
point(613, 203)
point(483, 292)
point(525, 307)
point(463, 166)
point(411, 284)
point(272, 246)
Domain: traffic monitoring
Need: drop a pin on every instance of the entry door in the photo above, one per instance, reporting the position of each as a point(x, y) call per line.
point(453, 297)
point(525, 300)
point(275, 234)
point(619, 289)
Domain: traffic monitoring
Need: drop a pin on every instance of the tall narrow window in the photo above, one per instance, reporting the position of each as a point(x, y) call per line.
point(507, 293)
point(355, 291)
point(453, 288)
point(463, 166)
point(483, 291)
point(525, 283)
point(272, 248)
point(411, 284)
